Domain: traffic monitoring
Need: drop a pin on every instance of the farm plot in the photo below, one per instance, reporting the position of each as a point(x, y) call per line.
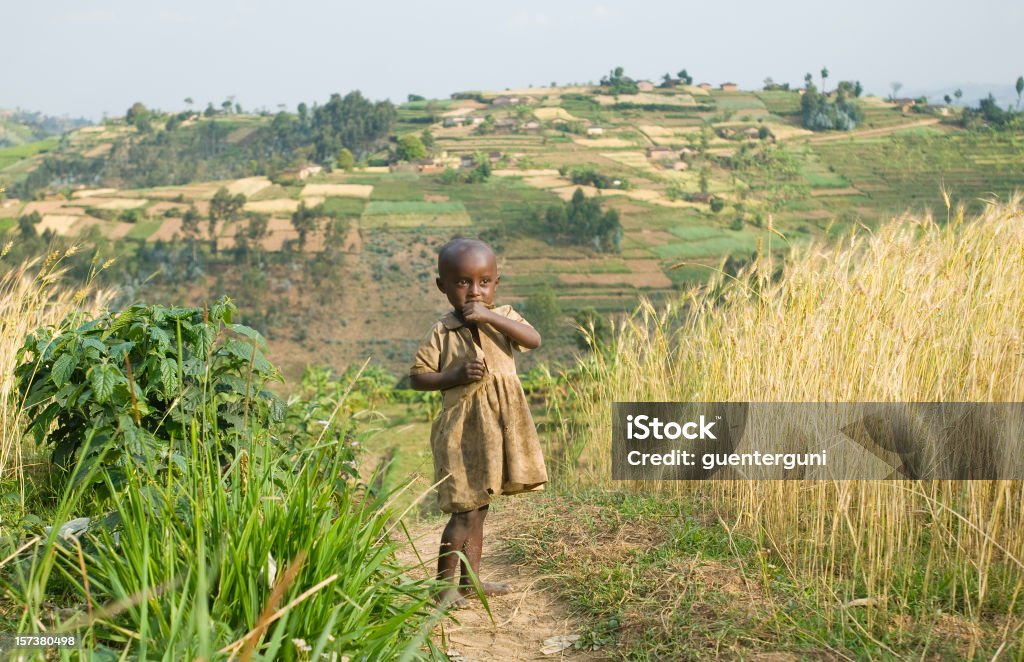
point(344, 207)
point(413, 213)
point(656, 280)
point(603, 143)
point(781, 102)
point(121, 204)
point(44, 207)
point(92, 193)
point(907, 172)
point(248, 186)
point(530, 265)
point(647, 99)
point(547, 114)
point(144, 229)
point(165, 208)
point(665, 133)
point(11, 155)
point(737, 101)
point(633, 159)
point(533, 172)
point(279, 230)
point(714, 246)
point(338, 190)
point(170, 228)
point(60, 224)
point(276, 205)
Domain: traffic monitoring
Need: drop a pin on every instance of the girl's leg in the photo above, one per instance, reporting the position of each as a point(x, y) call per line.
point(473, 549)
point(453, 540)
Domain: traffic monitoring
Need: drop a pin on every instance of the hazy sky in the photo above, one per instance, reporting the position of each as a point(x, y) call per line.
point(87, 57)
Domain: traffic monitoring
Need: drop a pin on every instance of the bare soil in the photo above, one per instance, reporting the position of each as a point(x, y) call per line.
point(520, 624)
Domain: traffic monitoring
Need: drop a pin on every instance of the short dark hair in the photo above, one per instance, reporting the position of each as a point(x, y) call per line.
point(458, 247)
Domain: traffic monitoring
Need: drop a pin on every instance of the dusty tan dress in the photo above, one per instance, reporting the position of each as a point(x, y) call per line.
point(484, 441)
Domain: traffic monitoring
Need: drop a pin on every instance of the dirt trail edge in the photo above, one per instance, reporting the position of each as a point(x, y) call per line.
point(524, 622)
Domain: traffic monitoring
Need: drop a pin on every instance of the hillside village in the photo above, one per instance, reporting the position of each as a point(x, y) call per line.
point(699, 176)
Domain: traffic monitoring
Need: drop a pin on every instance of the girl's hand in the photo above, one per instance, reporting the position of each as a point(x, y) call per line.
point(476, 312)
point(473, 371)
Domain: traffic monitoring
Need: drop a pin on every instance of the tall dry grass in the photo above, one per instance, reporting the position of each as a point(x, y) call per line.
point(32, 294)
point(915, 311)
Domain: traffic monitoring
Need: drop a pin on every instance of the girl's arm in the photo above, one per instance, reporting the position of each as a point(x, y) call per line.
point(440, 381)
point(523, 335)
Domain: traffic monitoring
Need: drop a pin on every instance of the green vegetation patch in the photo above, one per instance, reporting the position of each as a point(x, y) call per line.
point(143, 229)
point(344, 207)
point(11, 155)
point(393, 207)
point(696, 232)
point(781, 102)
point(6, 224)
point(737, 243)
point(412, 213)
point(729, 101)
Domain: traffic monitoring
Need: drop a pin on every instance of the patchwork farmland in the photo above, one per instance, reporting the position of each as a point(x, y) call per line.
point(696, 176)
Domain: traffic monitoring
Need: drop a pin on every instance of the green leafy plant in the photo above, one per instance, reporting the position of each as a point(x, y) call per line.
point(134, 382)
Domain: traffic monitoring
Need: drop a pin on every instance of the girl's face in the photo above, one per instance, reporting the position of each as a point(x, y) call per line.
point(469, 277)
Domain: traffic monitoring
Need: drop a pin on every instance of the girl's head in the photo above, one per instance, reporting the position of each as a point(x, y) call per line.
point(467, 272)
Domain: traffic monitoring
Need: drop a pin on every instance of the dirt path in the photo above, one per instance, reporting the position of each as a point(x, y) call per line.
point(523, 623)
point(871, 133)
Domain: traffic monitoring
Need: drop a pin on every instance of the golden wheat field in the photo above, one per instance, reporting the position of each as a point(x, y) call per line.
point(917, 311)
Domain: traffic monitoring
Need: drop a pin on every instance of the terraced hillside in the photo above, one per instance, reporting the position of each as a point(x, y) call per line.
point(695, 175)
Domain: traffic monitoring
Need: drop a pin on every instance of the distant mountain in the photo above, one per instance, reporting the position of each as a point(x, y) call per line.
point(1004, 93)
point(18, 127)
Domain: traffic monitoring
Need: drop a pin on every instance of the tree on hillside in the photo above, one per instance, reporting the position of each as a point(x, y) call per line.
point(820, 113)
point(958, 94)
point(305, 220)
point(824, 76)
point(427, 137)
point(410, 148)
point(1020, 89)
point(543, 309)
point(583, 221)
point(896, 87)
point(351, 121)
point(223, 207)
point(618, 83)
point(27, 225)
point(345, 160)
point(850, 88)
point(139, 117)
point(684, 77)
point(989, 113)
point(190, 228)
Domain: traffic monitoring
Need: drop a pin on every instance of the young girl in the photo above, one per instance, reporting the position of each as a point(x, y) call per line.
point(484, 441)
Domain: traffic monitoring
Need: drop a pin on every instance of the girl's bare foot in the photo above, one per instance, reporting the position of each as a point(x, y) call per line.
point(451, 598)
point(490, 589)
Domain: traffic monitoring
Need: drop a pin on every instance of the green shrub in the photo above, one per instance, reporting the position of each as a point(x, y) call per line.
point(132, 382)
